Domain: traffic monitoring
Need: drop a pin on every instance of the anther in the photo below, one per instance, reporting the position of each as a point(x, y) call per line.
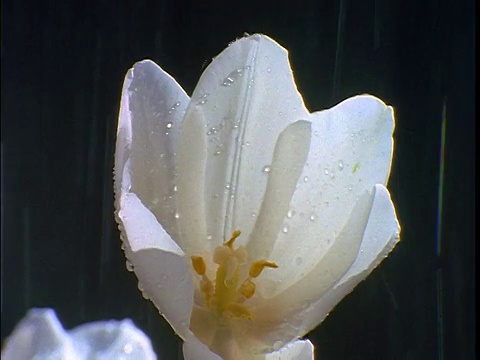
point(257, 267)
point(247, 288)
point(198, 265)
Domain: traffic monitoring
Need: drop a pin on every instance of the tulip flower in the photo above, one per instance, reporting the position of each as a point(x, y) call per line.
point(40, 335)
point(245, 217)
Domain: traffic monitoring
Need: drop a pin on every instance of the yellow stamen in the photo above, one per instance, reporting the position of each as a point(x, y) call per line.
point(226, 294)
point(198, 265)
point(257, 267)
point(247, 288)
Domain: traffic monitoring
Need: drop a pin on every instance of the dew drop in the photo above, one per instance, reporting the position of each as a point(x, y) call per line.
point(227, 186)
point(232, 77)
point(169, 125)
point(177, 215)
point(326, 171)
point(305, 179)
point(285, 229)
point(290, 213)
point(174, 107)
point(340, 165)
point(175, 188)
point(209, 237)
point(254, 214)
point(313, 216)
point(269, 70)
point(129, 265)
point(266, 169)
point(202, 100)
point(217, 152)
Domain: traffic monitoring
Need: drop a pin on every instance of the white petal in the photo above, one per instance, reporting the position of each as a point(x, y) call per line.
point(111, 339)
point(39, 335)
point(195, 350)
point(248, 97)
point(380, 237)
point(298, 350)
point(289, 158)
point(163, 271)
point(302, 306)
point(350, 152)
point(192, 156)
point(152, 107)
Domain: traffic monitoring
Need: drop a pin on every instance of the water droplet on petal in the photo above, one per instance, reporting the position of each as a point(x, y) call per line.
point(234, 75)
point(177, 215)
point(266, 169)
point(290, 213)
point(174, 107)
point(129, 265)
point(313, 216)
point(169, 125)
point(326, 171)
point(305, 179)
point(340, 165)
point(285, 229)
point(202, 100)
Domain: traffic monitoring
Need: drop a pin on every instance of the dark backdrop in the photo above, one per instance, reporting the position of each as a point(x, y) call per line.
point(63, 64)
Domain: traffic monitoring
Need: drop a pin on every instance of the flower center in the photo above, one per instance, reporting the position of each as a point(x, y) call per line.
point(227, 294)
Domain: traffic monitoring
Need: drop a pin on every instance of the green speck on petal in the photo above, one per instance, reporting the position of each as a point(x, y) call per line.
point(355, 167)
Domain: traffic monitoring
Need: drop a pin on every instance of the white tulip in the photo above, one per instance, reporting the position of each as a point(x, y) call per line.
point(41, 336)
point(245, 217)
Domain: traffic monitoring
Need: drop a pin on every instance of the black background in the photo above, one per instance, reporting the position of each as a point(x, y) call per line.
point(63, 64)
